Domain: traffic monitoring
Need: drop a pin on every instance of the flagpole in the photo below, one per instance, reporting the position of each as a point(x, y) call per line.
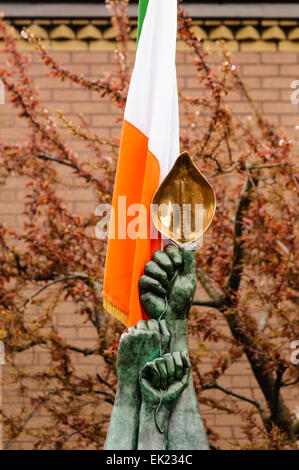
point(142, 7)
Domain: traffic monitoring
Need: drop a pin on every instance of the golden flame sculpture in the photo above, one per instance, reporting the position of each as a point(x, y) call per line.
point(184, 204)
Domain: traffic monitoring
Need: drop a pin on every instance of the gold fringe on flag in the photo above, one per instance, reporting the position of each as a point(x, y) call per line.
point(116, 312)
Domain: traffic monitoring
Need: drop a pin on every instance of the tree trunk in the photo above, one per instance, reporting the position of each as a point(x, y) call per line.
point(280, 414)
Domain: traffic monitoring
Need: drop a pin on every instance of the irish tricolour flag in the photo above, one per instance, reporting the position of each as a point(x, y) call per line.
point(148, 149)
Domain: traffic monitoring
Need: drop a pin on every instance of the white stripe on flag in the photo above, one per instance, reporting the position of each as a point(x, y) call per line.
point(152, 104)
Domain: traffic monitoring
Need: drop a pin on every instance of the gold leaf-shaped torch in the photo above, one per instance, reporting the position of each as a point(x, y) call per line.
point(184, 204)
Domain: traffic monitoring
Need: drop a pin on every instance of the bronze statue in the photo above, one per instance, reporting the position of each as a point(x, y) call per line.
point(156, 406)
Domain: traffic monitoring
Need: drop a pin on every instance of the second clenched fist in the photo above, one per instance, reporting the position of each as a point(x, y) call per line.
point(164, 379)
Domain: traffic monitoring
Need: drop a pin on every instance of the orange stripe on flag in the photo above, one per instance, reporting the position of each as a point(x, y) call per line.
point(137, 178)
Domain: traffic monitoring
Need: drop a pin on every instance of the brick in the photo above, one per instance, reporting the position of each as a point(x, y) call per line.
point(8, 220)
point(186, 70)
point(222, 419)
point(88, 332)
point(53, 107)
point(215, 58)
point(85, 208)
point(45, 95)
point(292, 133)
point(180, 58)
point(98, 57)
point(113, 109)
point(6, 121)
point(257, 394)
point(37, 69)
point(9, 133)
point(224, 431)
point(77, 195)
point(80, 69)
point(91, 108)
point(277, 108)
point(98, 70)
point(7, 109)
point(273, 118)
point(50, 82)
point(289, 120)
point(69, 332)
point(114, 132)
point(131, 57)
point(241, 381)
point(265, 70)
point(7, 195)
point(181, 82)
point(189, 58)
point(277, 82)
point(71, 95)
point(104, 121)
point(82, 343)
point(240, 108)
point(289, 70)
point(246, 57)
point(279, 57)
point(86, 369)
point(11, 398)
point(29, 358)
point(77, 146)
point(93, 359)
point(192, 82)
point(265, 95)
point(239, 368)
point(62, 57)
point(20, 124)
point(234, 96)
point(20, 194)
point(252, 82)
point(65, 319)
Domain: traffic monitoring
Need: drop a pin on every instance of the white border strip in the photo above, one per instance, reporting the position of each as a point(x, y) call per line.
point(199, 10)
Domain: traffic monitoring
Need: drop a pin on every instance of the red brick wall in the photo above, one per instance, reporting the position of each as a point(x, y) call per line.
point(268, 74)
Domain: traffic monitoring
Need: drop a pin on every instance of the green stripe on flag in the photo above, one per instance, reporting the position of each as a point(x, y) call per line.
point(141, 15)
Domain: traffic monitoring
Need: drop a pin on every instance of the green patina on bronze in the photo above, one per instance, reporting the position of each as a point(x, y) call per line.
point(156, 406)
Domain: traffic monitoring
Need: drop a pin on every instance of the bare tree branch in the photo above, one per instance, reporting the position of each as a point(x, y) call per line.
point(260, 167)
point(233, 394)
point(41, 341)
point(263, 321)
point(57, 160)
point(238, 250)
point(84, 351)
point(82, 277)
point(30, 415)
point(216, 296)
point(205, 303)
point(277, 386)
point(289, 384)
